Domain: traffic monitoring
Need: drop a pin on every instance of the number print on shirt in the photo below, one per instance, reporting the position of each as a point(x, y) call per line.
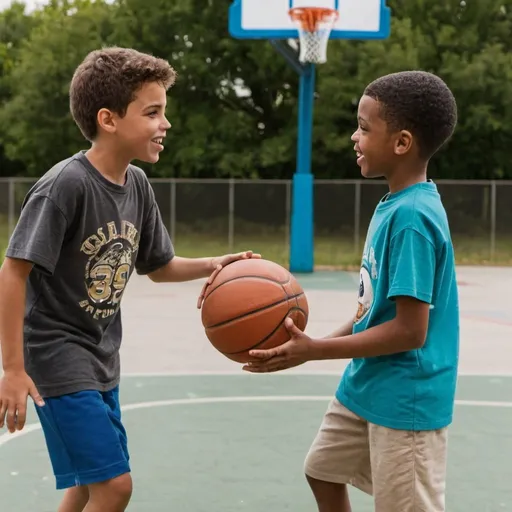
point(108, 269)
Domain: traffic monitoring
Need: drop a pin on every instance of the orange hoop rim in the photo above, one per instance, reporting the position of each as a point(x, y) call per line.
point(308, 17)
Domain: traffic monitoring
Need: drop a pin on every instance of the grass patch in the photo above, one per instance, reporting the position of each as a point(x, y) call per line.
point(337, 252)
point(330, 251)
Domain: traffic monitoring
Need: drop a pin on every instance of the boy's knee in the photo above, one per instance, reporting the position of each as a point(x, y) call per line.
point(122, 485)
point(323, 486)
point(115, 492)
point(329, 496)
point(120, 488)
point(328, 491)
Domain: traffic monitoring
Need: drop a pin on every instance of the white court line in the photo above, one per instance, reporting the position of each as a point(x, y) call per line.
point(7, 437)
point(200, 373)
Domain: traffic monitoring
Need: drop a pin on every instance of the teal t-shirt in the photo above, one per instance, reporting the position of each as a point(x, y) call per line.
point(408, 251)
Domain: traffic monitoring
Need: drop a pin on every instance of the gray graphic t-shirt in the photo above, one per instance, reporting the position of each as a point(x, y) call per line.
point(85, 236)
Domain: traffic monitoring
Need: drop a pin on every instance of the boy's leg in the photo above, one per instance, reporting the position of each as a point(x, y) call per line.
point(74, 499)
point(330, 497)
point(339, 455)
point(409, 469)
point(87, 445)
point(111, 496)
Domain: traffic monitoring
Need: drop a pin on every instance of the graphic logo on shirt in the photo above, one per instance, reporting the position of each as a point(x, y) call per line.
point(367, 273)
point(109, 267)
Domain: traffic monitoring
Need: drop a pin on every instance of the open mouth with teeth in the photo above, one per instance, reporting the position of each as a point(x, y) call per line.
point(159, 142)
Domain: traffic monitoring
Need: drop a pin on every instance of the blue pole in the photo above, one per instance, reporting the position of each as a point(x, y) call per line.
point(301, 236)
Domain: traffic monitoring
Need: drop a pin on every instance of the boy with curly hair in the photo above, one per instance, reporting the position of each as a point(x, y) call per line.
point(84, 227)
point(385, 431)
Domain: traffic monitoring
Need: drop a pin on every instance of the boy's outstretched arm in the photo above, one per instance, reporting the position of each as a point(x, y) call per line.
point(344, 330)
point(15, 384)
point(407, 331)
point(187, 269)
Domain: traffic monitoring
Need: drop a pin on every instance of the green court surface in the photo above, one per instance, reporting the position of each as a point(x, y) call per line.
point(237, 443)
point(206, 437)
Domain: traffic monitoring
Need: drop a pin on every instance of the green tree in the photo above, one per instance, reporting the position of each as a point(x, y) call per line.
point(39, 129)
point(234, 107)
point(467, 44)
point(15, 26)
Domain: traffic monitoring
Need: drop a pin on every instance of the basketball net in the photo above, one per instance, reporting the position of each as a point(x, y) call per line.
point(315, 26)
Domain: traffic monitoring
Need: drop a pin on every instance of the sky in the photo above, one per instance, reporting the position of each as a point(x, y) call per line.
point(29, 3)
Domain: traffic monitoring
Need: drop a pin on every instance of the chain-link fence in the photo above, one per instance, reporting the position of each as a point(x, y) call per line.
point(215, 216)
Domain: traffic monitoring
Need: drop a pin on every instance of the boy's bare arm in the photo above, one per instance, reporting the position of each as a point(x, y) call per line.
point(15, 384)
point(407, 331)
point(187, 269)
point(183, 269)
point(344, 330)
point(13, 284)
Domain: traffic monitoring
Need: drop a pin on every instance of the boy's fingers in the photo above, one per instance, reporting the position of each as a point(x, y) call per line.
point(292, 328)
point(34, 393)
point(11, 417)
point(201, 296)
point(3, 408)
point(214, 274)
point(205, 286)
point(264, 354)
point(272, 365)
point(21, 416)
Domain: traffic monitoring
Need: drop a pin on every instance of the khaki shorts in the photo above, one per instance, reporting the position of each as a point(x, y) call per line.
point(405, 471)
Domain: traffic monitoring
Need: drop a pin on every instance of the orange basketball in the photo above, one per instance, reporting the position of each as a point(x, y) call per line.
point(246, 305)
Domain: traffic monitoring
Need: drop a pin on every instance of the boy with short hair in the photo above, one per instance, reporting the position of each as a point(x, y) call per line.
point(385, 431)
point(84, 227)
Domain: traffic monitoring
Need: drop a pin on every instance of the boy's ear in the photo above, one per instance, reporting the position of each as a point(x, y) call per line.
point(403, 142)
point(106, 120)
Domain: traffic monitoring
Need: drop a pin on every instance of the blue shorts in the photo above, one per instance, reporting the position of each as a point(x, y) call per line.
point(85, 437)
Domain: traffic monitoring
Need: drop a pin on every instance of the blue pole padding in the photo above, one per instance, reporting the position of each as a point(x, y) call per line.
point(305, 127)
point(301, 237)
point(302, 232)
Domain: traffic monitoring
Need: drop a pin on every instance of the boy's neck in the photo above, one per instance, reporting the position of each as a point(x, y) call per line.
point(405, 178)
point(111, 164)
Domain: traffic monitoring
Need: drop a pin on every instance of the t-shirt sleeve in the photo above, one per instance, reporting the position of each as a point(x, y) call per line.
point(155, 246)
point(412, 266)
point(39, 234)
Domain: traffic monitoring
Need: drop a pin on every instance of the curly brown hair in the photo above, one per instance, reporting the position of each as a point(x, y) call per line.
point(110, 78)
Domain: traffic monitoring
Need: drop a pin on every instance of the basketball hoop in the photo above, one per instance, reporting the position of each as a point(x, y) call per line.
point(314, 25)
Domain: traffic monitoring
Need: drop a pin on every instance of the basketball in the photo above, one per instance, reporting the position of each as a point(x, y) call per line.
point(246, 305)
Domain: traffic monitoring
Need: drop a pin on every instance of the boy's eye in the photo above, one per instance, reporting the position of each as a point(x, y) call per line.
point(153, 113)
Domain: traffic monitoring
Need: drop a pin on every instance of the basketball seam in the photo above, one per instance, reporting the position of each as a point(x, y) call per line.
point(269, 335)
point(291, 297)
point(243, 277)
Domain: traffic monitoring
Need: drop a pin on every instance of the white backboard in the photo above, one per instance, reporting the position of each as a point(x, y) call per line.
point(269, 19)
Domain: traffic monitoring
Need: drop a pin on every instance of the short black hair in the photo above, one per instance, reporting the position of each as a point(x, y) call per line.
point(419, 102)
